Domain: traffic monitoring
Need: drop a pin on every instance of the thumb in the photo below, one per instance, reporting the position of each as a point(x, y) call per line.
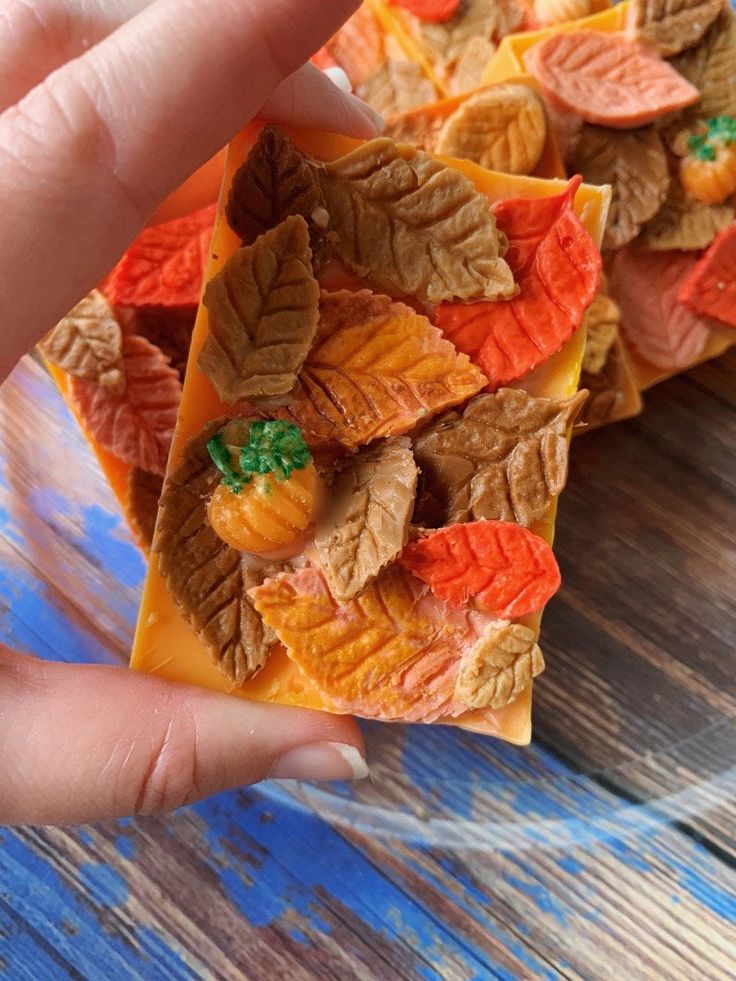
point(82, 744)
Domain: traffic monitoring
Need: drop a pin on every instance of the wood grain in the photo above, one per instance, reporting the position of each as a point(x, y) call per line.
point(603, 851)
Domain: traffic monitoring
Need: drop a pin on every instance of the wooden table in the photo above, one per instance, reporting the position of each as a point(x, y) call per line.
point(604, 851)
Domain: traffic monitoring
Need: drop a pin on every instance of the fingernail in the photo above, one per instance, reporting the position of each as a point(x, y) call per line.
point(375, 117)
point(339, 78)
point(320, 761)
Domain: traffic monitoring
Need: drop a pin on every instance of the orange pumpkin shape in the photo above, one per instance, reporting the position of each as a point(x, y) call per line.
point(267, 496)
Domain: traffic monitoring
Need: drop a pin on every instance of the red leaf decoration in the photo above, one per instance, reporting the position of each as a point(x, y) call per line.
point(646, 287)
point(507, 569)
point(557, 267)
point(709, 289)
point(165, 264)
point(137, 426)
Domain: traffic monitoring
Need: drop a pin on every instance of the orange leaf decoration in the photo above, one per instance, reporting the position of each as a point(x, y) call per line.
point(393, 652)
point(655, 324)
point(165, 264)
point(607, 79)
point(376, 369)
point(507, 569)
point(709, 289)
point(137, 426)
point(557, 268)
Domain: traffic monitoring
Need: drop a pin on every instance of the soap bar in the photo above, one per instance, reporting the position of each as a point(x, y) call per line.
point(672, 179)
point(167, 640)
point(119, 358)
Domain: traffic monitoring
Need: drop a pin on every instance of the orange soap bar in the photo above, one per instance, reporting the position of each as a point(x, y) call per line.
point(164, 643)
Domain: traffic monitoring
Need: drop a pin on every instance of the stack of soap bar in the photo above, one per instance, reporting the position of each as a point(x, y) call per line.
point(643, 98)
point(358, 504)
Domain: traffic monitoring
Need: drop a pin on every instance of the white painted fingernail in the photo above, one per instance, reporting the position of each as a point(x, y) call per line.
point(340, 78)
point(321, 761)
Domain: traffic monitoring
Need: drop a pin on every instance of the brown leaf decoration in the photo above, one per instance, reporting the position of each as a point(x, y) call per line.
point(367, 524)
point(499, 667)
point(396, 85)
point(602, 322)
point(169, 328)
point(88, 343)
point(206, 578)
point(414, 226)
point(709, 67)
point(605, 388)
point(684, 224)
point(274, 183)
point(471, 65)
point(501, 128)
point(503, 458)
point(670, 26)
point(136, 426)
point(377, 368)
point(263, 309)
point(144, 492)
point(634, 163)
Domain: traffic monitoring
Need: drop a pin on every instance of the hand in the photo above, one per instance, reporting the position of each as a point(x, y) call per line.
point(106, 106)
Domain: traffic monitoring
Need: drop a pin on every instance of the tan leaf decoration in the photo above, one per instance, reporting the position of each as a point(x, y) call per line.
point(449, 40)
point(471, 65)
point(367, 524)
point(503, 458)
point(499, 667)
point(274, 183)
point(88, 344)
point(605, 388)
point(548, 12)
point(414, 226)
point(206, 578)
point(602, 324)
point(634, 163)
point(144, 492)
point(263, 308)
point(709, 66)
point(137, 425)
point(510, 17)
point(684, 224)
point(670, 26)
point(396, 85)
point(376, 369)
point(502, 128)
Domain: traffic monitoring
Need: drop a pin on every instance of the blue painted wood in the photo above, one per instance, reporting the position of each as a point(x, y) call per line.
point(465, 858)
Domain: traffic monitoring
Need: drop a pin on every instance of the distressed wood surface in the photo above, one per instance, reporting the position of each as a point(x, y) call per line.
point(606, 850)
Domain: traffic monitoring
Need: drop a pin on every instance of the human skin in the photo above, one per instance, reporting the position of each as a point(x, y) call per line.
point(106, 107)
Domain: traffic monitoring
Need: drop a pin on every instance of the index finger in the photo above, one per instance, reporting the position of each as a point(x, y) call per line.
point(89, 153)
